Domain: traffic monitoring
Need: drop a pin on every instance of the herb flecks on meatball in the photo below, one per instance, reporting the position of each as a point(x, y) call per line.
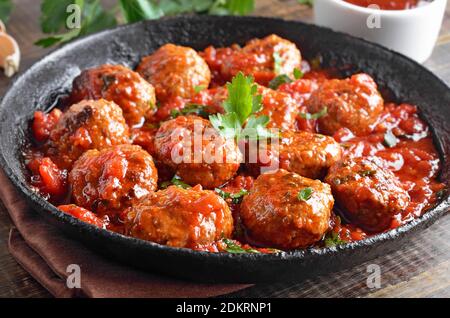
point(369, 194)
point(180, 218)
point(286, 210)
point(121, 85)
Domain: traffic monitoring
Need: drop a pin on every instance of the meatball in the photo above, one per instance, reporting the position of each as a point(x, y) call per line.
point(87, 125)
point(121, 85)
point(175, 71)
point(307, 154)
point(286, 210)
point(369, 194)
point(280, 107)
point(197, 152)
point(258, 58)
point(354, 103)
point(111, 180)
point(180, 218)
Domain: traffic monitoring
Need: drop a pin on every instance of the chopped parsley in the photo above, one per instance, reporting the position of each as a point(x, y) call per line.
point(176, 181)
point(333, 239)
point(232, 247)
point(196, 109)
point(298, 74)
point(305, 194)
point(199, 88)
point(236, 198)
point(279, 80)
point(318, 115)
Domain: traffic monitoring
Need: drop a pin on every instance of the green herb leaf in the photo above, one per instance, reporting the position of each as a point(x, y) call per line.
point(93, 19)
point(318, 115)
point(137, 10)
point(234, 248)
point(54, 15)
point(199, 88)
point(309, 3)
point(241, 97)
point(390, 140)
point(279, 80)
point(241, 104)
point(6, 7)
point(196, 109)
point(236, 198)
point(232, 7)
point(298, 74)
point(305, 194)
point(333, 239)
point(176, 181)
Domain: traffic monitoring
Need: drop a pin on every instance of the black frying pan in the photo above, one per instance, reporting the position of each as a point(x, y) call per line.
point(405, 80)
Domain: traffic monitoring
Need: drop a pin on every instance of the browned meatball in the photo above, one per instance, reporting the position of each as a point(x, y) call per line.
point(175, 71)
point(113, 179)
point(368, 194)
point(308, 154)
point(280, 107)
point(180, 217)
point(257, 58)
point(286, 210)
point(196, 151)
point(121, 85)
point(354, 103)
point(87, 125)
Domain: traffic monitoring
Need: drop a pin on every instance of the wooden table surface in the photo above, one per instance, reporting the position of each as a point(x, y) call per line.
point(420, 269)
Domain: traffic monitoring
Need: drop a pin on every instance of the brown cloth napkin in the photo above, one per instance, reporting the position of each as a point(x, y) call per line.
point(45, 253)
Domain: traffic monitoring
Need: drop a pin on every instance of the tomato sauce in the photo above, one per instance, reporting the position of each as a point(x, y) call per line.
point(400, 138)
point(387, 4)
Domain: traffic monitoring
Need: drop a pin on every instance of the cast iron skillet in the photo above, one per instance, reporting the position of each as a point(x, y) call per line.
point(42, 83)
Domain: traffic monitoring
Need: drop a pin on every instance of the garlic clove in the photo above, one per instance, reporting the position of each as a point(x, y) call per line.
point(9, 54)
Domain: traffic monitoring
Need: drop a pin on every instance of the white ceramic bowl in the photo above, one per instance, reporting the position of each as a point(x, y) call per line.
point(412, 32)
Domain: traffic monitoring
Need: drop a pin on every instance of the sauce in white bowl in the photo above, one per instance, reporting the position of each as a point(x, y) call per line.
point(406, 26)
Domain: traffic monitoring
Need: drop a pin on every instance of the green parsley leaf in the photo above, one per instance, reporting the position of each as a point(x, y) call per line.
point(196, 109)
point(279, 80)
point(309, 3)
point(199, 88)
point(241, 105)
point(298, 74)
point(236, 198)
point(137, 10)
point(176, 181)
point(234, 248)
point(318, 115)
point(305, 194)
point(333, 239)
point(6, 7)
point(232, 7)
point(390, 140)
point(93, 19)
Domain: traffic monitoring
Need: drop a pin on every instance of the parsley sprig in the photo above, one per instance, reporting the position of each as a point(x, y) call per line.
point(95, 17)
point(233, 248)
point(243, 102)
point(309, 116)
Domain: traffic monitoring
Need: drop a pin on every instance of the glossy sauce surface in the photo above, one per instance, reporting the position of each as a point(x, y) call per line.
point(110, 177)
